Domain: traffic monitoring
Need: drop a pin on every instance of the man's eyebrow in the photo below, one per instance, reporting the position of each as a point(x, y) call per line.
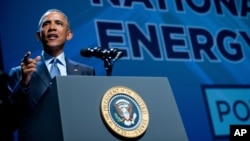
point(46, 21)
point(59, 21)
point(49, 21)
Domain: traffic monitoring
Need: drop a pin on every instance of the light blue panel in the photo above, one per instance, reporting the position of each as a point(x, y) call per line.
point(228, 106)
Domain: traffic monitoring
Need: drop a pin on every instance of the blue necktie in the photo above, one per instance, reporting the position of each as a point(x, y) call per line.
point(54, 70)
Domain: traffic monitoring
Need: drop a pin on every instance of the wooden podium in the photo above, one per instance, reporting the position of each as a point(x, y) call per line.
point(70, 110)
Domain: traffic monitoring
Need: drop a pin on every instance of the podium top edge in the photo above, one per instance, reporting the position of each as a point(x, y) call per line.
point(146, 77)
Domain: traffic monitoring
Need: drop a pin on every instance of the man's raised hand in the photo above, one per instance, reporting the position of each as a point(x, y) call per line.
point(28, 66)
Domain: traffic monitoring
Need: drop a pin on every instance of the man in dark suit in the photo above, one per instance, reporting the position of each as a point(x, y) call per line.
point(30, 80)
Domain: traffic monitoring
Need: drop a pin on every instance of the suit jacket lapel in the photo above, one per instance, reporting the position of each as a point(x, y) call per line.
point(43, 72)
point(72, 68)
point(40, 81)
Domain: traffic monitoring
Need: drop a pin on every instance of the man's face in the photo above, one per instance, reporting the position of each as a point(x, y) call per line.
point(54, 32)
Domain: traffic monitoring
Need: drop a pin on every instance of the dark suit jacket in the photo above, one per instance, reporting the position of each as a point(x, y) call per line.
point(24, 100)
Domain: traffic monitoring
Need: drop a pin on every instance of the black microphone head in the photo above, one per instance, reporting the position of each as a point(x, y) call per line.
point(87, 52)
point(97, 52)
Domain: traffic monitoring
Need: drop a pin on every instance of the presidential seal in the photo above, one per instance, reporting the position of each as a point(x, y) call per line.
point(124, 112)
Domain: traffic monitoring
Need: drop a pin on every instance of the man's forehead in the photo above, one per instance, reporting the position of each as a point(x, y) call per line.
point(53, 16)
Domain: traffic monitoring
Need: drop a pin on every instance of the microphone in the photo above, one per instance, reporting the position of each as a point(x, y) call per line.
point(109, 56)
point(93, 52)
point(98, 52)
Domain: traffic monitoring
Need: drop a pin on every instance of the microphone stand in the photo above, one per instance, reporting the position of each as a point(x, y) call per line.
point(108, 65)
point(108, 56)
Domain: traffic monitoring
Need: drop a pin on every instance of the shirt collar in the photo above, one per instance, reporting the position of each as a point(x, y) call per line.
point(48, 58)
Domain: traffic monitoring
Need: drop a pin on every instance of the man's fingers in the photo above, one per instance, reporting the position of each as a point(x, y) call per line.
point(38, 58)
point(26, 57)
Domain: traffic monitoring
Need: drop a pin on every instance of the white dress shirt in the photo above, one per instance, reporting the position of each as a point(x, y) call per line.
point(61, 65)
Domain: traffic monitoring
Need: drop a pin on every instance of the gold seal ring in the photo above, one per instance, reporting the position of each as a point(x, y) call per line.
point(124, 111)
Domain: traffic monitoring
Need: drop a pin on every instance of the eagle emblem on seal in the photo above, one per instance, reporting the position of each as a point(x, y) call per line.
point(124, 111)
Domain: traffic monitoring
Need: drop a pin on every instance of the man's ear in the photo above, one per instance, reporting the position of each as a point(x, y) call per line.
point(69, 35)
point(38, 36)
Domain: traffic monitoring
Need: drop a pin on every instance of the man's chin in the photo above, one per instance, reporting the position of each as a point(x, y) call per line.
point(53, 47)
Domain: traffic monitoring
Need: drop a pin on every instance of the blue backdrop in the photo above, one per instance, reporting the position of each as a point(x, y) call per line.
point(202, 46)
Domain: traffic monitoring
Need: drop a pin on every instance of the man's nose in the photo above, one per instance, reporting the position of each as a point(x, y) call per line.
point(52, 26)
